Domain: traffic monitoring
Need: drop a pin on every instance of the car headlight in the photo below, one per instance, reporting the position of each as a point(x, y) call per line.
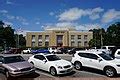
point(16, 70)
point(60, 67)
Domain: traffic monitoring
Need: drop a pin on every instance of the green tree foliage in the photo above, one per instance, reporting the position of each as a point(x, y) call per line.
point(98, 37)
point(113, 35)
point(8, 38)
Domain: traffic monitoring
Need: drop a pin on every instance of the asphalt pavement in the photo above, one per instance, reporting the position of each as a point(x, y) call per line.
point(85, 73)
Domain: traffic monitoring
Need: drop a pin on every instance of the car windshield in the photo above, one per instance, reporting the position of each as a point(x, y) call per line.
point(52, 58)
point(13, 59)
point(106, 56)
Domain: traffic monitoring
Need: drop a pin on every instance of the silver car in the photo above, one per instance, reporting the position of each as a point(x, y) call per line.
point(15, 65)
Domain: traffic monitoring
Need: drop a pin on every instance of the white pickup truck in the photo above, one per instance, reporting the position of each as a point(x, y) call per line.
point(26, 51)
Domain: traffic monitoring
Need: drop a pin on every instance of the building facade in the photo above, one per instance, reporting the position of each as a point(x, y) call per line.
point(67, 37)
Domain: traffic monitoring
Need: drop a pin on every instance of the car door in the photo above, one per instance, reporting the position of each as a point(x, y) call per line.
point(40, 62)
point(93, 61)
point(84, 59)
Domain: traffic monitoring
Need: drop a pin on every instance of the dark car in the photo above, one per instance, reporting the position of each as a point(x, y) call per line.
point(73, 50)
point(15, 65)
point(40, 51)
point(12, 51)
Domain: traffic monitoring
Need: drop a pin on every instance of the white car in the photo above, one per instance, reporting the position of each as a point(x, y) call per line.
point(97, 60)
point(51, 63)
point(27, 50)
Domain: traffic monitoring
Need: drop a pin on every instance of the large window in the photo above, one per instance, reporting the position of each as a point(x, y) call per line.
point(40, 37)
point(72, 43)
point(85, 43)
point(79, 43)
point(79, 36)
point(85, 37)
point(33, 37)
point(46, 37)
point(72, 37)
point(33, 44)
point(46, 44)
point(39, 44)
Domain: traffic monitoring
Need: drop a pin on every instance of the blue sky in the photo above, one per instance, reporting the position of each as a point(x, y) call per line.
point(35, 15)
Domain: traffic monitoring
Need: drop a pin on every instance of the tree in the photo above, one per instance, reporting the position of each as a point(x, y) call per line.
point(7, 37)
point(113, 34)
point(98, 37)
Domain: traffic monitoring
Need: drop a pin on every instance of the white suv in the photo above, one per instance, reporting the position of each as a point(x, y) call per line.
point(97, 60)
point(51, 63)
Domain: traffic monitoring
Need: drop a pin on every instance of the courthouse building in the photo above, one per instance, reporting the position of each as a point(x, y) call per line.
point(59, 36)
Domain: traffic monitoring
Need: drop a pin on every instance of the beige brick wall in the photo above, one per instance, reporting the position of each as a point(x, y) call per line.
point(52, 37)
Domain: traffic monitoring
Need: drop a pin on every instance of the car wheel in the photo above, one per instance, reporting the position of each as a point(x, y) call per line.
point(53, 71)
point(53, 52)
point(78, 65)
point(7, 74)
point(110, 72)
point(32, 63)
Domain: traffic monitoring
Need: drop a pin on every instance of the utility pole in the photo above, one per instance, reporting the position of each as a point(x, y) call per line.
point(101, 37)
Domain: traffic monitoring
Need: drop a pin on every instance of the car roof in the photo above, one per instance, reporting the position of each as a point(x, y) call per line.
point(89, 51)
point(45, 54)
point(8, 55)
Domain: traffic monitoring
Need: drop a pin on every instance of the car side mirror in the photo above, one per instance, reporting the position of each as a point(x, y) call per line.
point(44, 60)
point(99, 59)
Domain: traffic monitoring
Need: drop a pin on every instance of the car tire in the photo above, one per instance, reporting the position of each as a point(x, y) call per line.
point(32, 63)
point(53, 71)
point(110, 71)
point(53, 52)
point(77, 65)
point(7, 74)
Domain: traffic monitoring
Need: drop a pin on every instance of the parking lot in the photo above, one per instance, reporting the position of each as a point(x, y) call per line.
point(85, 73)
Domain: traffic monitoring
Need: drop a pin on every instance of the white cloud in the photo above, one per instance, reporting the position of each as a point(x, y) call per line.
point(88, 26)
point(76, 13)
point(65, 24)
point(51, 13)
point(3, 11)
point(110, 16)
point(7, 23)
point(25, 23)
point(10, 17)
point(20, 18)
point(74, 25)
point(71, 14)
point(37, 23)
point(9, 2)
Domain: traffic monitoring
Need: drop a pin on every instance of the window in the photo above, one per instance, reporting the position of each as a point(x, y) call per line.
point(39, 43)
point(1, 59)
point(118, 53)
point(72, 37)
point(73, 43)
point(40, 57)
point(33, 44)
point(85, 43)
point(85, 37)
point(93, 56)
point(103, 47)
point(46, 44)
point(79, 36)
point(79, 43)
point(83, 55)
point(46, 37)
point(40, 37)
point(33, 37)
point(88, 55)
